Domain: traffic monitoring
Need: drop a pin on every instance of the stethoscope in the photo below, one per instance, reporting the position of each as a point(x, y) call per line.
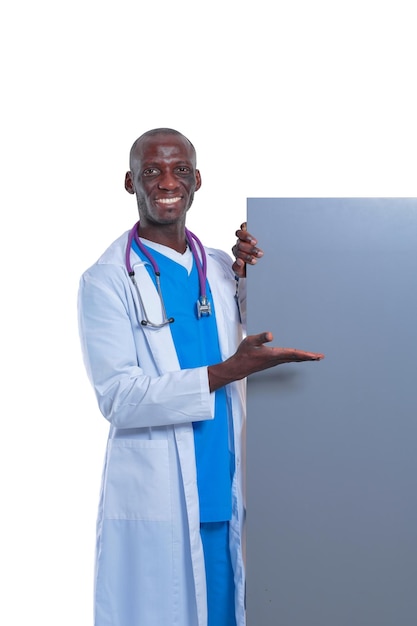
point(203, 304)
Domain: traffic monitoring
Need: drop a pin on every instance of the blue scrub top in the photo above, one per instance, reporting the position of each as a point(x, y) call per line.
point(197, 344)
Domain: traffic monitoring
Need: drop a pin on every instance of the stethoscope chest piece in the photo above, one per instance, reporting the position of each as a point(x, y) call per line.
point(203, 306)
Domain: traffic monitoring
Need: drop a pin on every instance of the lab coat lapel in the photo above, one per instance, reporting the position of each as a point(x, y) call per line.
point(159, 340)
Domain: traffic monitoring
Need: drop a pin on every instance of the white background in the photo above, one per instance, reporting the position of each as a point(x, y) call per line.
point(280, 99)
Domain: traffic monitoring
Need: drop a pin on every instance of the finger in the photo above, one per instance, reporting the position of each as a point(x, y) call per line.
point(243, 235)
point(310, 356)
point(250, 257)
point(315, 356)
point(246, 251)
point(239, 268)
point(260, 339)
point(302, 355)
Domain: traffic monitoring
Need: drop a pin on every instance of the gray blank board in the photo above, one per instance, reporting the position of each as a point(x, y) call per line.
point(332, 446)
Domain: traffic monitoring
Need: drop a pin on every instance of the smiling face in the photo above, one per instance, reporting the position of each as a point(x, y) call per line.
point(164, 178)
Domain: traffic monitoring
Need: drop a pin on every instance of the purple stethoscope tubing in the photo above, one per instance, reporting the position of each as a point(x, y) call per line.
point(203, 305)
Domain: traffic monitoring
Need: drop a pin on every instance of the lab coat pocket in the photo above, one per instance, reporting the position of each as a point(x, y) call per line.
point(137, 485)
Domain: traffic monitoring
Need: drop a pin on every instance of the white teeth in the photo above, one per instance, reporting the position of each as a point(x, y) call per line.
point(168, 200)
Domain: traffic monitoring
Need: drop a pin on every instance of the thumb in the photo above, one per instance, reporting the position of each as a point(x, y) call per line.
point(259, 340)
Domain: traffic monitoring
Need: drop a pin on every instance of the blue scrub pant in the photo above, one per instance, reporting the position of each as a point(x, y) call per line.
point(219, 574)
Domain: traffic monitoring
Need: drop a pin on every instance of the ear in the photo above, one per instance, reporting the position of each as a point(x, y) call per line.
point(129, 186)
point(198, 180)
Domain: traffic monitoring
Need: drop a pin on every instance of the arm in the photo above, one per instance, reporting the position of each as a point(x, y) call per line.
point(130, 390)
point(253, 356)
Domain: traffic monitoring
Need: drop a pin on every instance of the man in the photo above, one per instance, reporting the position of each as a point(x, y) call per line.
point(164, 349)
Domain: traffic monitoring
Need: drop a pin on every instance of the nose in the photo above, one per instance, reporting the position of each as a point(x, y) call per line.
point(168, 181)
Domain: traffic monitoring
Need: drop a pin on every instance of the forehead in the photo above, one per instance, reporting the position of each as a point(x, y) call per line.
point(163, 147)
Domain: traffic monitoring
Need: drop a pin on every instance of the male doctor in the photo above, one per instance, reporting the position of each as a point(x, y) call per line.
point(163, 342)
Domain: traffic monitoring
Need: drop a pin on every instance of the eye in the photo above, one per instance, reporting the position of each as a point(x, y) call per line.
point(183, 169)
point(150, 171)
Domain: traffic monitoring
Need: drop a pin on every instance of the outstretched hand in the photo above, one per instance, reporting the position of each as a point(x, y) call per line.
point(245, 251)
point(258, 356)
point(253, 356)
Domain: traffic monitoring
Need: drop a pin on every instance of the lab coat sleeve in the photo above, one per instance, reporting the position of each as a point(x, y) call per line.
point(132, 394)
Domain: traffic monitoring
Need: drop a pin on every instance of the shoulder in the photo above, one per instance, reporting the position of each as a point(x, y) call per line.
point(222, 259)
point(113, 255)
point(111, 265)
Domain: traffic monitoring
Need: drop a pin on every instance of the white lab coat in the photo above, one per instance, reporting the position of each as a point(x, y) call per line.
point(149, 559)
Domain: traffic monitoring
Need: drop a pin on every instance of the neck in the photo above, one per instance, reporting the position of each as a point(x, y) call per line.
point(170, 235)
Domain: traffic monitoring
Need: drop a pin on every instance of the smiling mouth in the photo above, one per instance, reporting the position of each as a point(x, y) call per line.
point(169, 200)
